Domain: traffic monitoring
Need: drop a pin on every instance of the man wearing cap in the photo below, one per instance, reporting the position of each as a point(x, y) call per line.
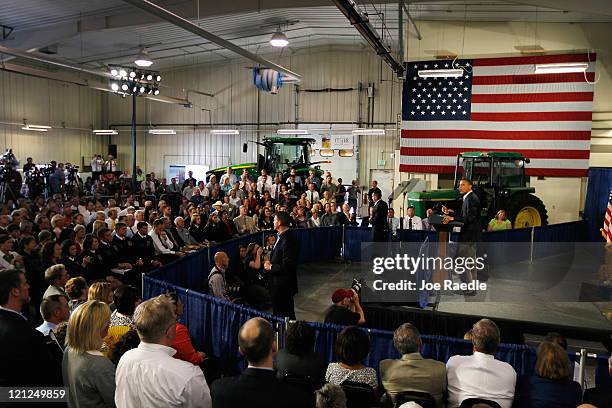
point(346, 310)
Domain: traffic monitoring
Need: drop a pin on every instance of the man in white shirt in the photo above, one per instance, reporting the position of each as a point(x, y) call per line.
point(392, 221)
point(264, 183)
point(161, 243)
point(54, 310)
point(230, 174)
point(8, 258)
point(148, 376)
point(412, 221)
point(480, 375)
point(312, 194)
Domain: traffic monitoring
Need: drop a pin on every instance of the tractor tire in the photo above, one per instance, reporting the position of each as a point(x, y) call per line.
point(526, 211)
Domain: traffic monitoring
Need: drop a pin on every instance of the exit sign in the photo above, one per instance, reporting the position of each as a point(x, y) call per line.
point(382, 162)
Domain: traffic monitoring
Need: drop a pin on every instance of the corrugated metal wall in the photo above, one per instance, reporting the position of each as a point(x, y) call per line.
point(236, 101)
point(70, 109)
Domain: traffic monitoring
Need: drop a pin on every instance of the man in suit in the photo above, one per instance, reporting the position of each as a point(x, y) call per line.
point(282, 266)
point(412, 372)
point(26, 360)
point(471, 232)
point(257, 386)
point(378, 219)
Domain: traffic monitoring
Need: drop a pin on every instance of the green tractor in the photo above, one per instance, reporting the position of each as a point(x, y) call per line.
point(499, 181)
point(281, 154)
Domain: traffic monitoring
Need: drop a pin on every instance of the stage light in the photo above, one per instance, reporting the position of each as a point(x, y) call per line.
point(158, 78)
point(134, 89)
point(561, 68)
point(279, 39)
point(114, 72)
point(149, 77)
point(132, 74)
point(224, 132)
point(123, 73)
point(156, 92)
point(142, 89)
point(440, 73)
point(369, 132)
point(143, 59)
point(114, 86)
point(124, 87)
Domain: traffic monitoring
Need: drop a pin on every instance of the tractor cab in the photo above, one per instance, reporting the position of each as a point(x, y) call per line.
point(282, 154)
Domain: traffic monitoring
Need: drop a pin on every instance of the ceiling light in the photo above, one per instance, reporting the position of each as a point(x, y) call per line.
point(124, 87)
point(156, 92)
point(104, 132)
point(114, 72)
point(35, 129)
point(561, 68)
point(440, 73)
point(132, 74)
point(279, 39)
point(158, 78)
point(143, 59)
point(370, 132)
point(292, 131)
point(114, 86)
point(162, 131)
point(38, 126)
point(123, 73)
point(224, 132)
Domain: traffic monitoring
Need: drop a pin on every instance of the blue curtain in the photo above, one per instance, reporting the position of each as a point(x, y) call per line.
point(598, 189)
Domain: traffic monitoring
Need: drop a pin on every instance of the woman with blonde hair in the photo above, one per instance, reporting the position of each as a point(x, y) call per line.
point(551, 385)
point(88, 374)
point(102, 291)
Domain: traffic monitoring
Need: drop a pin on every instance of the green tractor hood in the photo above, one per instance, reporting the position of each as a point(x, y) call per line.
point(423, 200)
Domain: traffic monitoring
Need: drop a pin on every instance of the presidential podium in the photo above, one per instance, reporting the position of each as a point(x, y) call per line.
point(443, 230)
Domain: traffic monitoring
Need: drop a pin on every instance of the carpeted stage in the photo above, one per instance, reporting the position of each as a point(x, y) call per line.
point(455, 314)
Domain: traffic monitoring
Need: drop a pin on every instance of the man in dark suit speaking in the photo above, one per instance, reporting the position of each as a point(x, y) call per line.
point(471, 232)
point(378, 219)
point(283, 268)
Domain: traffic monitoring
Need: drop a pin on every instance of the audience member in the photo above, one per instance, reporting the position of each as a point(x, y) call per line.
point(551, 385)
point(412, 372)
point(54, 310)
point(481, 375)
point(128, 341)
point(182, 342)
point(298, 358)
point(499, 222)
point(330, 396)
point(148, 376)
point(126, 298)
point(346, 309)
point(88, 374)
point(216, 278)
point(78, 291)
point(352, 347)
point(257, 386)
point(412, 221)
point(56, 277)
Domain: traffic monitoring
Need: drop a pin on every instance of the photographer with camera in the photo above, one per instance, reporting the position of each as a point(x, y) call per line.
point(346, 310)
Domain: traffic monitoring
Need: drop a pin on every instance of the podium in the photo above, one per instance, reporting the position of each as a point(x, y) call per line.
point(443, 231)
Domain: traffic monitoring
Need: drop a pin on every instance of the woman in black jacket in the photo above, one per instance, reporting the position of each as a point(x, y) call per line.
point(69, 259)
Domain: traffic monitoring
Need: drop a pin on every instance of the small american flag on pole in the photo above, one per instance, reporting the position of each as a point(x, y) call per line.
point(606, 231)
point(499, 104)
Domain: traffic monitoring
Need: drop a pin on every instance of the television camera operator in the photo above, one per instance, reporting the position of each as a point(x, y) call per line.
point(10, 179)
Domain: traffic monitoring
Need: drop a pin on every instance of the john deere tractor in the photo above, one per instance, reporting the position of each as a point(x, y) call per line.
point(280, 155)
point(499, 181)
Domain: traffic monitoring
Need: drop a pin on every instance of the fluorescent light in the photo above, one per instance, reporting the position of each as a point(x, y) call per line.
point(561, 68)
point(279, 39)
point(105, 132)
point(38, 126)
point(224, 132)
point(440, 73)
point(36, 129)
point(292, 131)
point(371, 132)
point(143, 59)
point(162, 131)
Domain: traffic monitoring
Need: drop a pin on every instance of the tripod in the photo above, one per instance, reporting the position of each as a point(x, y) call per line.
point(6, 192)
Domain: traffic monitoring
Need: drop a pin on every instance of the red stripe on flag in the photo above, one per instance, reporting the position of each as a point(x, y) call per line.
point(496, 135)
point(535, 97)
point(537, 59)
point(531, 116)
point(532, 79)
point(411, 168)
point(531, 153)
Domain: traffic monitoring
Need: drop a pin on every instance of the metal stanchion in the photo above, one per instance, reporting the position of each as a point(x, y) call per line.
point(581, 377)
point(531, 249)
point(343, 250)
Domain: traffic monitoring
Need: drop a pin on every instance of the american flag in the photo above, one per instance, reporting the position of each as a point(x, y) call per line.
point(498, 104)
point(606, 230)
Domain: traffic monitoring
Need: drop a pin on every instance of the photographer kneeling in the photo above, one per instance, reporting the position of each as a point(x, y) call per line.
point(346, 310)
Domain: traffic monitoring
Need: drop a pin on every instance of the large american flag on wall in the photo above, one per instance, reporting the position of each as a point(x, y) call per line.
point(499, 104)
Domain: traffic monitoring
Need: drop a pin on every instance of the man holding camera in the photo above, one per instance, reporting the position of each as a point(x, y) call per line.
point(346, 310)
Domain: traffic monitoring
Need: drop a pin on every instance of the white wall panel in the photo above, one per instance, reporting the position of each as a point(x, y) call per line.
point(71, 110)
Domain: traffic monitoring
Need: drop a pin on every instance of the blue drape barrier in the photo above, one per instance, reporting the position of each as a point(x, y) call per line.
point(598, 189)
point(214, 323)
point(602, 374)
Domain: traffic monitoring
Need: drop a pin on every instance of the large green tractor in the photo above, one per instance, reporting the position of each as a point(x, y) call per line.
point(280, 155)
point(499, 181)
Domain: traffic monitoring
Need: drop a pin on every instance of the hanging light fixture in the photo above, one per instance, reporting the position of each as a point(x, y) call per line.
point(143, 59)
point(279, 39)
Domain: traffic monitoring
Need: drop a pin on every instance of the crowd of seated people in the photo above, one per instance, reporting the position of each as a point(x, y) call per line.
point(117, 350)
